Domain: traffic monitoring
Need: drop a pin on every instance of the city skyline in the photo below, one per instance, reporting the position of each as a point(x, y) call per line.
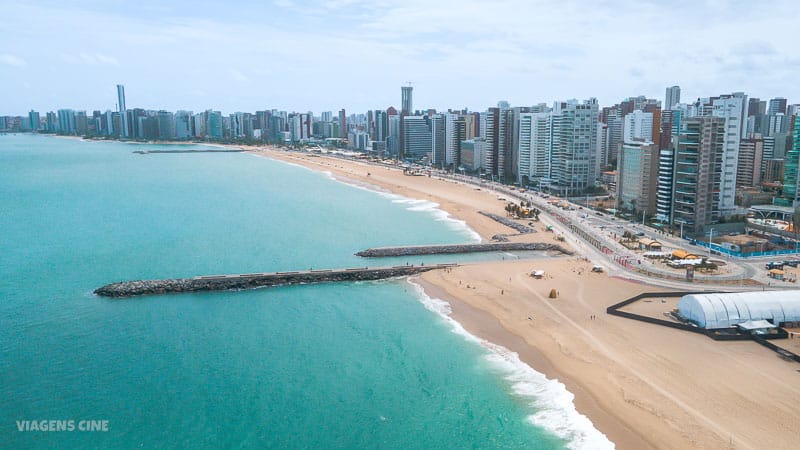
point(352, 54)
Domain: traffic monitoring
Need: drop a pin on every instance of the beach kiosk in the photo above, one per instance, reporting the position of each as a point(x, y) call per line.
point(650, 245)
point(776, 274)
point(683, 254)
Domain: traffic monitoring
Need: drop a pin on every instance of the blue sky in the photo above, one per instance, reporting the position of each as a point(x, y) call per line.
point(327, 54)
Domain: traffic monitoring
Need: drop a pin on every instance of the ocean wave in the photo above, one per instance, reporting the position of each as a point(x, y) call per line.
point(555, 409)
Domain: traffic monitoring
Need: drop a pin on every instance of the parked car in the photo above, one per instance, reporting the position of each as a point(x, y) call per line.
point(774, 265)
point(791, 263)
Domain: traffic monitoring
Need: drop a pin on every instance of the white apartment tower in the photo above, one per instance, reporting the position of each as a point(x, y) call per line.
point(733, 108)
point(637, 125)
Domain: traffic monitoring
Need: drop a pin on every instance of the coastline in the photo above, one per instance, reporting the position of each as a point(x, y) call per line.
point(640, 385)
point(488, 332)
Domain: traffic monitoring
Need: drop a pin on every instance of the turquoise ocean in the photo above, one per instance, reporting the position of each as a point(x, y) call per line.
point(350, 365)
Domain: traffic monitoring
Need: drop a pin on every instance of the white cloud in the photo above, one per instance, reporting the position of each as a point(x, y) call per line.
point(12, 60)
point(328, 54)
point(92, 59)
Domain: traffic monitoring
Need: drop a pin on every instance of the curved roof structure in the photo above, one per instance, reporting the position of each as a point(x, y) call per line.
point(726, 310)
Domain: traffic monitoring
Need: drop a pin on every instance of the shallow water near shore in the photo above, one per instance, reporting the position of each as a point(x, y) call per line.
point(334, 365)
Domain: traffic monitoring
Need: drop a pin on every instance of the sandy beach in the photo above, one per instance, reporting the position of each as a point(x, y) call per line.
point(642, 385)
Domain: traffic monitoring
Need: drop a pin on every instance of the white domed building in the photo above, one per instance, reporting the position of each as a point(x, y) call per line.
point(725, 310)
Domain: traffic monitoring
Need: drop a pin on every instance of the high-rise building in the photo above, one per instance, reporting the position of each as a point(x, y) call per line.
point(574, 146)
point(407, 106)
point(613, 119)
point(214, 124)
point(437, 125)
point(776, 106)
point(755, 107)
point(666, 176)
point(52, 122)
point(166, 125)
point(791, 180)
point(66, 121)
point(472, 154)
point(699, 169)
point(454, 134)
point(183, 124)
point(751, 154)
point(342, 123)
point(393, 137)
point(33, 121)
point(637, 125)
point(637, 183)
point(471, 125)
point(81, 123)
point(773, 171)
point(673, 97)
point(534, 137)
point(381, 125)
point(122, 110)
point(416, 137)
point(733, 108)
point(406, 109)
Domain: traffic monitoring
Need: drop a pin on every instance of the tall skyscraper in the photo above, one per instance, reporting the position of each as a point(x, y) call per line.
point(407, 104)
point(637, 183)
point(437, 125)
point(33, 121)
point(342, 123)
point(534, 139)
point(666, 168)
point(406, 108)
point(574, 146)
point(454, 134)
point(673, 97)
point(122, 110)
point(66, 121)
point(699, 169)
point(733, 108)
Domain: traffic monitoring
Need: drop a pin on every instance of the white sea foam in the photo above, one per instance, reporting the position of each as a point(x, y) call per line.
point(555, 410)
point(415, 205)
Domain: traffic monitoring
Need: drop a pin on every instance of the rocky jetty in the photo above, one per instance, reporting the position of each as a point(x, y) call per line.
point(523, 229)
point(256, 280)
point(415, 250)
